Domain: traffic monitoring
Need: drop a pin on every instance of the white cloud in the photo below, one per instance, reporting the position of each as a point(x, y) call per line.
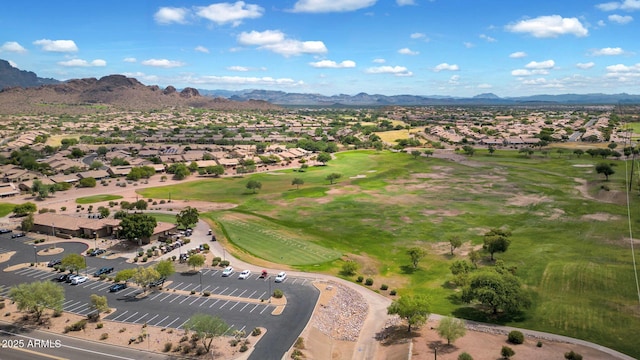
point(624, 73)
point(13, 64)
point(601, 23)
point(407, 51)
point(468, 45)
point(224, 13)
point(447, 67)
point(395, 70)
point(487, 38)
point(405, 2)
point(168, 15)
point(83, 63)
point(538, 81)
point(261, 37)
point(485, 86)
point(239, 80)
point(547, 64)
point(294, 47)
point(620, 19)
point(163, 63)
point(518, 55)
point(12, 46)
point(608, 51)
point(330, 64)
point(379, 61)
point(520, 72)
point(325, 6)
point(629, 5)
point(549, 26)
point(238, 68)
point(418, 35)
point(130, 60)
point(585, 66)
point(57, 45)
point(454, 79)
point(201, 49)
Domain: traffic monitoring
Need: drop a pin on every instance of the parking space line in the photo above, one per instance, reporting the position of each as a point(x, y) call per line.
point(234, 290)
point(132, 315)
point(263, 294)
point(225, 289)
point(196, 299)
point(73, 305)
point(181, 325)
point(175, 298)
point(105, 286)
point(245, 305)
point(165, 318)
point(77, 308)
point(165, 297)
point(254, 308)
point(143, 316)
point(132, 291)
point(205, 300)
point(93, 284)
point(251, 296)
point(116, 318)
point(159, 293)
point(242, 328)
point(146, 322)
point(66, 302)
point(234, 305)
point(183, 300)
point(205, 288)
point(221, 306)
point(205, 272)
point(176, 286)
point(210, 306)
point(214, 272)
point(265, 308)
point(214, 290)
point(176, 319)
point(242, 293)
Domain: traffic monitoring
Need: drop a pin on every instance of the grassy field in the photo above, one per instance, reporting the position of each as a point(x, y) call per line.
point(570, 231)
point(6, 209)
point(97, 198)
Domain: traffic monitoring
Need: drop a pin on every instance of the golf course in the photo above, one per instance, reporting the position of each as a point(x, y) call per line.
point(570, 242)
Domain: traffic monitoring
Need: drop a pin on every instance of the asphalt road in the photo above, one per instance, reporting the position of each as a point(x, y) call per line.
point(172, 309)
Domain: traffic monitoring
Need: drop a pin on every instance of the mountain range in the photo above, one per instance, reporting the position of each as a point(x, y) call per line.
point(95, 91)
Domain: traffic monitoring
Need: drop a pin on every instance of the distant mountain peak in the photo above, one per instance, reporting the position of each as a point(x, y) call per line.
point(486, 96)
point(13, 77)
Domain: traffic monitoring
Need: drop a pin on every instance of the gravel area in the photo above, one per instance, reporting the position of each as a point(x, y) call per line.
point(343, 316)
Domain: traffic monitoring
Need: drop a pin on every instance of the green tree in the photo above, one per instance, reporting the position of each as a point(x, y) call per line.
point(465, 356)
point(455, 242)
point(349, 268)
point(137, 226)
point(207, 327)
point(496, 240)
point(491, 149)
point(165, 268)
point(571, 355)
point(188, 217)
point(324, 158)
point(180, 171)
point(38, 296)
point(333, 177)
point(124, 275)
point(428, 153)
point(27, 223)
point(193, 166)
point(96, 165)
point(104, 211)
point(605, 169)
point(87, 182)
point(99, 303)
point(254, 185)
point(414, 309)
point(297, 182)
point(144, 276)
point(195, 261)
point(416, 254)
point(507, 352)
point(468, 150)
point(74, 262)
point(474, 257)
point(25, 209)
point(102, 151)
point(451, 329)
point(498, 291)
point(415, 153)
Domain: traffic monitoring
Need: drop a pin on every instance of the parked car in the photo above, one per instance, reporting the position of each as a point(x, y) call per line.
point(54, 262)
point(63, 277)
point(5, 231)
point(117, 287)
point(263, 274)
point(18, 235)
point(244, 274)
point(158, 282)
point(227, 271)
point(97, 252)
point(79, 280)
point(71, 277)
point(104, 270)
point(281, 276)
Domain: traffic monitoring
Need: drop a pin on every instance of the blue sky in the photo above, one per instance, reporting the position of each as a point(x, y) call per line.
point(419, 47)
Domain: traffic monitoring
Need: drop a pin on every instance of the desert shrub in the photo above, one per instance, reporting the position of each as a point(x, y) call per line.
point(144, 259)
point(57, 313)
point(77, 326)
point(539, 344)
point(93, 316)
point(384, 287)
point(184, 338)
point(200, 350)
point(224, 263)
point(206, 293)
point(360, 278)
point(215, 263)
point(515, 337)
point(299, 344)
point(193, 292)
point(507, 352)
point(234, 342)
point(277, 293)
point(368, 282)
point(243, 348)
point(1, 305)
point(393, 293)
point(217, 258)
point(465, 356)
point(104, 336)
point(256, 332)
point(297, 354)
point(122, 330)
point(572, 355)
point(167, 346)
point(99, 325)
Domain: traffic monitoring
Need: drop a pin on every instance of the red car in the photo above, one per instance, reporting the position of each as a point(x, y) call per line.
point(263, 274)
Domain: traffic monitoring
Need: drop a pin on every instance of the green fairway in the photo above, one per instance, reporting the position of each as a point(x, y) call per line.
point(6, 209)
point(168, 218)
point(97, 198)
point(569, 244)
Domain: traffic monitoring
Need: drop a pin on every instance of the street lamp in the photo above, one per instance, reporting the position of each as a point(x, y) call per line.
point(35, 254)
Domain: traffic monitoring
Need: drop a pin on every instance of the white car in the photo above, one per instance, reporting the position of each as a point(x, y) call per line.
point(245, 274)
point(227, 271)
point(281, 276)
point(78, 280)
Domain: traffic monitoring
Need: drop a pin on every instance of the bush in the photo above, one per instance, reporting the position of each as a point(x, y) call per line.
point(507, 352)
point(206, 293)
point(277, 293)
point(465, 356)
point(193, 292)
point(256, 332)
point(243, 348)
point(224, 263)
point(217, 258)
point(539, 344)
point(77, 326)
point(360, 279)
point(392, 293)
point(572, 355)
point(167, 346)
point(215, 262)
point(384, 287)
point(515, 337)
point(297, 354)
point(99, 325)
point(368, 282)
point(104, 336)
point(299, 344)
